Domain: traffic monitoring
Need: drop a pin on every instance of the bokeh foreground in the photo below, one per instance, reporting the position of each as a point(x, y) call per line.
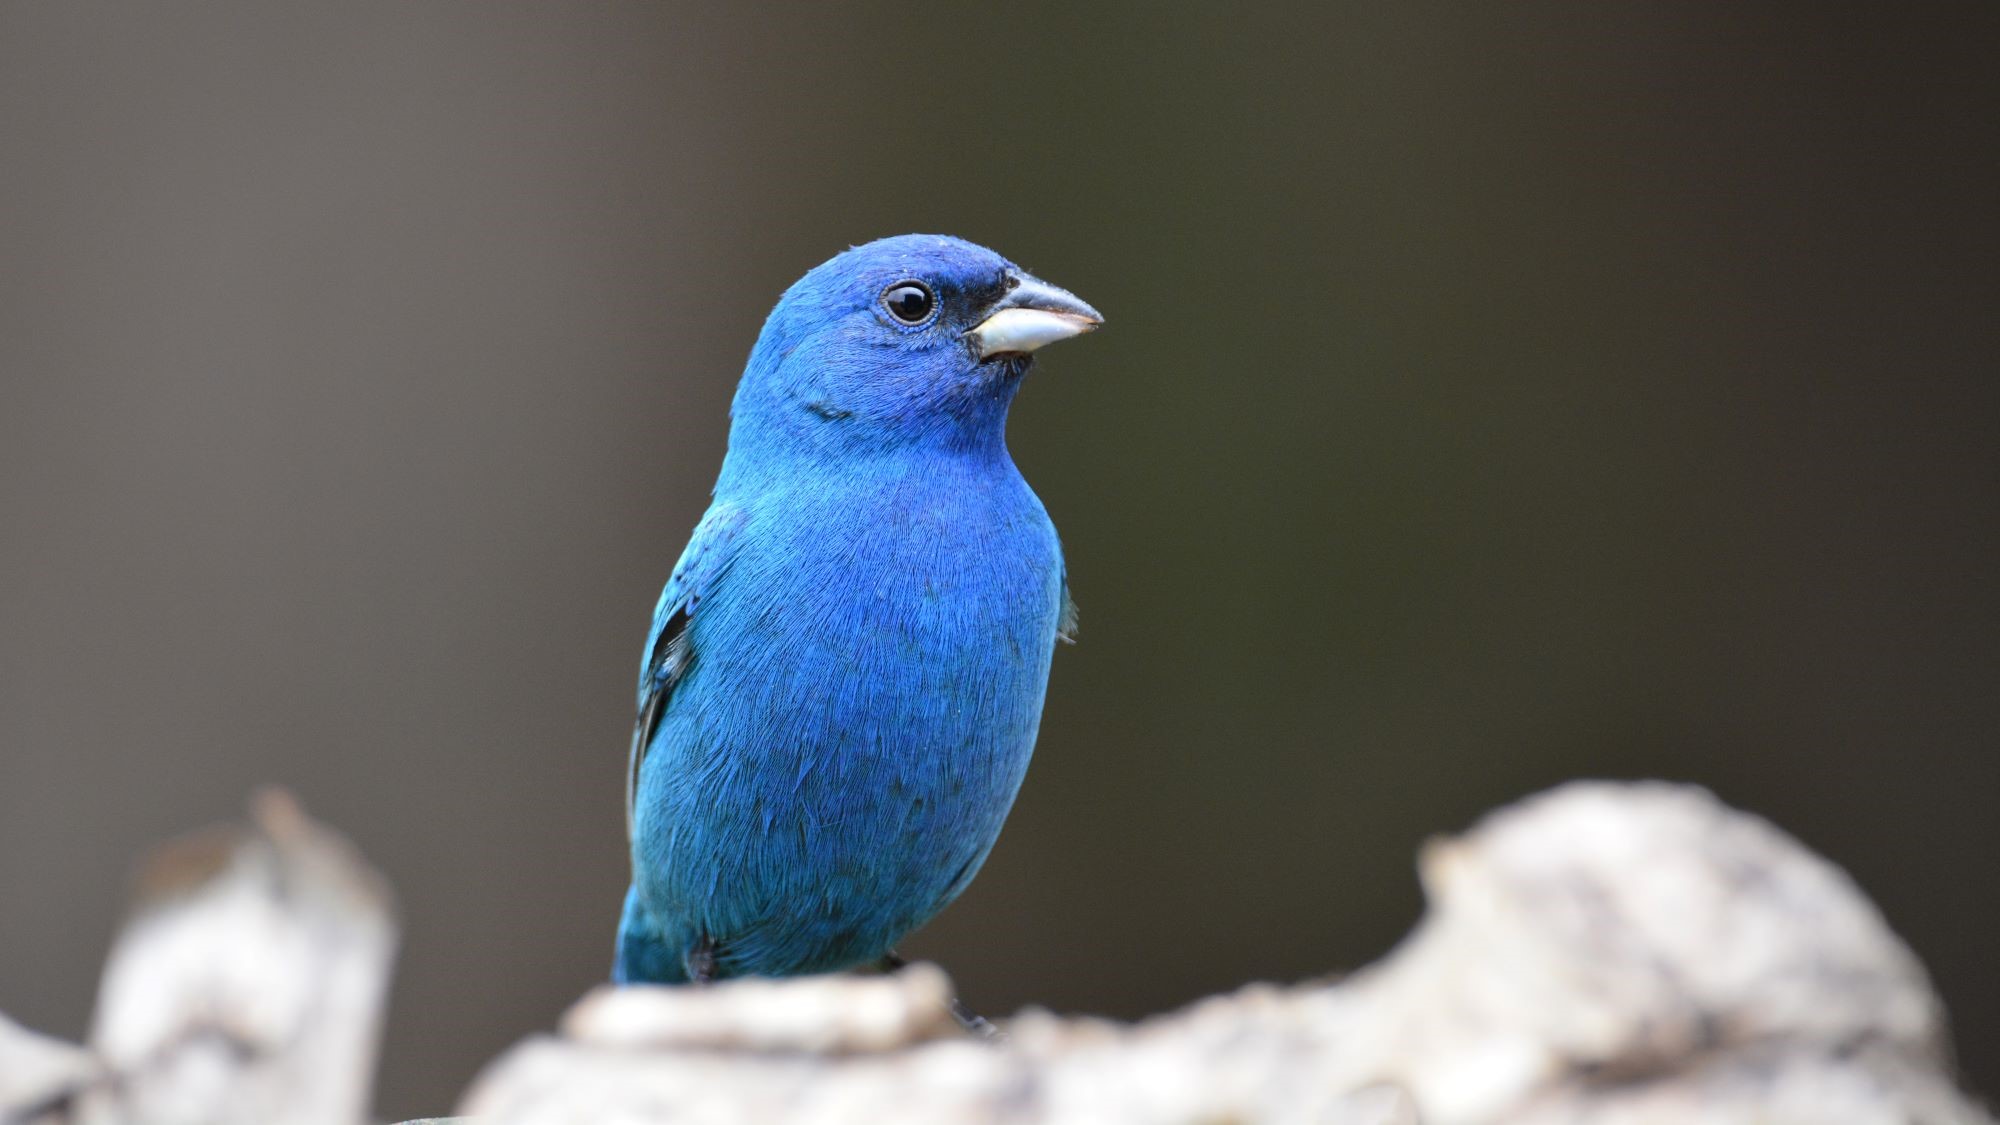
point(1601, 953)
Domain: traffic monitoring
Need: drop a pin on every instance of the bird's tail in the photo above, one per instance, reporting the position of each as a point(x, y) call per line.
point(645, 956)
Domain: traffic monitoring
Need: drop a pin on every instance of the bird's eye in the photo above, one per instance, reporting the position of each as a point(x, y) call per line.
point(909, 301)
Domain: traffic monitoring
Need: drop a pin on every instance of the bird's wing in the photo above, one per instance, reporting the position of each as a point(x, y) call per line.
point(668, 652)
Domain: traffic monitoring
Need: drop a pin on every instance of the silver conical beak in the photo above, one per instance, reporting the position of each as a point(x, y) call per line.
point(1032, 314)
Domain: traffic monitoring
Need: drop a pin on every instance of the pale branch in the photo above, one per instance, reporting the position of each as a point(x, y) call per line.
point(1602, 954)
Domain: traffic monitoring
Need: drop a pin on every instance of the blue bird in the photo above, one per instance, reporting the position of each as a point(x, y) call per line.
point(845, 672)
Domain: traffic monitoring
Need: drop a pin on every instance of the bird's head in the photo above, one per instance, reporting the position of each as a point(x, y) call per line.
point(912, 340)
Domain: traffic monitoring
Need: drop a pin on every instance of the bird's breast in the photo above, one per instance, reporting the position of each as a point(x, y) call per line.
point(929, 573)
point(928, 607)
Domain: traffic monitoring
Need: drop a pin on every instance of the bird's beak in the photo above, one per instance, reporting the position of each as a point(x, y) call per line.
point(1032, 313)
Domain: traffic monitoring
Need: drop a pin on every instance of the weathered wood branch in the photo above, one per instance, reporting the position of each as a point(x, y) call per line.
point(247, 985)
point(1604, 954)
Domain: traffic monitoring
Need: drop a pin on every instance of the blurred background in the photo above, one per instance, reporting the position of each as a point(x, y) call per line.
point(1493, 395)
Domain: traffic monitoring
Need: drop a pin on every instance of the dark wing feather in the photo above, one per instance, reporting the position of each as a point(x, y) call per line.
point(669, 653)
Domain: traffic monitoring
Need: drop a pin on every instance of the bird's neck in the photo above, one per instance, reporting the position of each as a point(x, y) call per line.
point(777, 435)
point(761, 459)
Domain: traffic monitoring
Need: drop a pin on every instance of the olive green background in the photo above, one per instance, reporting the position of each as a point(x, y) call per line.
point(1492, 395)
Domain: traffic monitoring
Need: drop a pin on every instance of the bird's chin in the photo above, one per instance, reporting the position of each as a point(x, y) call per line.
point(1003, 366)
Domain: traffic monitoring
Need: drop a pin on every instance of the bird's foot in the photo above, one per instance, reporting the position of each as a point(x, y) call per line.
point(974, 1024)
point(699, 962)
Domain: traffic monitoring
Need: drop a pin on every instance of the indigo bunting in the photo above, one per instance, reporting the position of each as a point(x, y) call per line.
point(845, 672)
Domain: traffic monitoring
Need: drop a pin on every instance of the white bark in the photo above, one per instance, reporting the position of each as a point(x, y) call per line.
point(247, 986)
point(40, 1076)
point(1604, 954)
